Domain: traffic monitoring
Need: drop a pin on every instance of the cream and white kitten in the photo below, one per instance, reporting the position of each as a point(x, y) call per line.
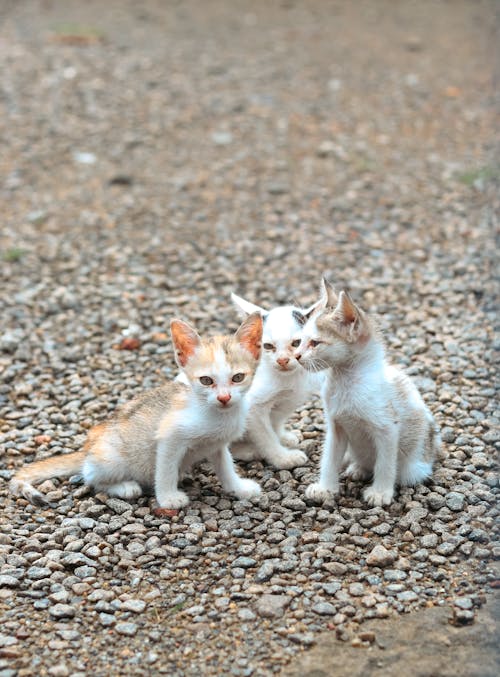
point(159, 435)
point(370, 405)
point(280, 386)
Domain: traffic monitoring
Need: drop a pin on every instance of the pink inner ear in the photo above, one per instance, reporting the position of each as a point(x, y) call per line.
point(249, 335)
point(185, 341)
point(349, 314)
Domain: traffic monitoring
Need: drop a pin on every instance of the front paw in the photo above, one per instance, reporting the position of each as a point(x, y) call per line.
point(378, 498)
point(318, 493)
point(289, 438)
point(173, 500)
point(247, 489)
point(356, 472)
point(291, 458)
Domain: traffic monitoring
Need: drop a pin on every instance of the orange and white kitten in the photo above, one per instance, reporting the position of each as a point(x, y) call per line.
point(159, 435)
point(370, 406)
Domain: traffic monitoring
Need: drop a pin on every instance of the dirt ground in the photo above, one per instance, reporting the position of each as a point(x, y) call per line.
point(158, 155)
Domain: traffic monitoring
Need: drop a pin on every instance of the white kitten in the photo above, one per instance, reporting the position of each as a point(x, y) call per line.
point(159, 435)
point(370, 406)
point(280, 386)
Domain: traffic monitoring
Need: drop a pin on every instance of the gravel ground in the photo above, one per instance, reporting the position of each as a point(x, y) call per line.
point(157, 157)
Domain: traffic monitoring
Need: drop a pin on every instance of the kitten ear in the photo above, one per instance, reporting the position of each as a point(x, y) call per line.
point(349, 318)
point(185, 341)
point(330, 298)
point(299, 316)
point(247, 307)
point(346, 310)
point(249, 334)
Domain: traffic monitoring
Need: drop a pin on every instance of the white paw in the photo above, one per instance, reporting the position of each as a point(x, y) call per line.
point(378, 498)
point(356, 472)
point(172, 499)
point(289, 438)
point(126, 490)
point(247, 488)
point(318, 493)
point(286, 459)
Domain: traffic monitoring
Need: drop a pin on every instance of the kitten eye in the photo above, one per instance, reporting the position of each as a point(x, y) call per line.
point(238, 378)
point(206, 380)
point(268, 346)
point(296, 343)
point(314, 343)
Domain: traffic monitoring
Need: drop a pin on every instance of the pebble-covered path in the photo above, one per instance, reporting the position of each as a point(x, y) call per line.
point(157, 156)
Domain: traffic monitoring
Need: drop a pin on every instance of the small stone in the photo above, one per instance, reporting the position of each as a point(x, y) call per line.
point(106, 619)
point(332, 588)
point(59, 670)
point(462, 617)
point(296, 504)
point(356, 589)
point(222, 138)
point(455, 501)
point(394, 575)
point(380, 557)
point(117, 505)
point(446, 549)
point(7, 640)
point(265, 572)
point(128, 629)
point(7, 581)
point(324, 609)
point(62, 611)
point(463, 603)
point(37, 573)
point(435, 501)
point(244, 562)
point(272, 606)
point(84, 158)
point(246, 615)
point(137, 606)
point(407, 596)
point(304, 638)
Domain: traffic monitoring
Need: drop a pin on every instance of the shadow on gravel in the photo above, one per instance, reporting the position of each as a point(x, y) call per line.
point(421, 644)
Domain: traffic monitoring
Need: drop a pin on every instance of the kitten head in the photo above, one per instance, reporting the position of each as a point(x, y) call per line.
point(336, 332)
point(220, 369)
point(279, 336)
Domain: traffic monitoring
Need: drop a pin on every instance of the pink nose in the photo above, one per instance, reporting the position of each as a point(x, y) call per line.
point(224, 399)
point(283, 361)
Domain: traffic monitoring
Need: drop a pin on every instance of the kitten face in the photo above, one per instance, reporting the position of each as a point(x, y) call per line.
point(220, 369)
point(334, 335)
point(280, 340)
point(280, 335)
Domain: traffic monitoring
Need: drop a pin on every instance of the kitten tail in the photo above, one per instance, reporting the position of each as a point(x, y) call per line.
point(64, 465)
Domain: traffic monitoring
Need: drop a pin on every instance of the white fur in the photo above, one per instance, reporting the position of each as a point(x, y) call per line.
point(275, 392)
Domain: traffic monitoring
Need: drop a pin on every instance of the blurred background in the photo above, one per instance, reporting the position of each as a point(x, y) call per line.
point(157, 155)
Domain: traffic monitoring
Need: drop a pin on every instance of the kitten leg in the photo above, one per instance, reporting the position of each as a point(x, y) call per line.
point(230, 480)
point(127, 489)
point(261, 432)
point(356, 472)
point(330, 464)
point(287, 437)
point(381, 491)
point(169, 455)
